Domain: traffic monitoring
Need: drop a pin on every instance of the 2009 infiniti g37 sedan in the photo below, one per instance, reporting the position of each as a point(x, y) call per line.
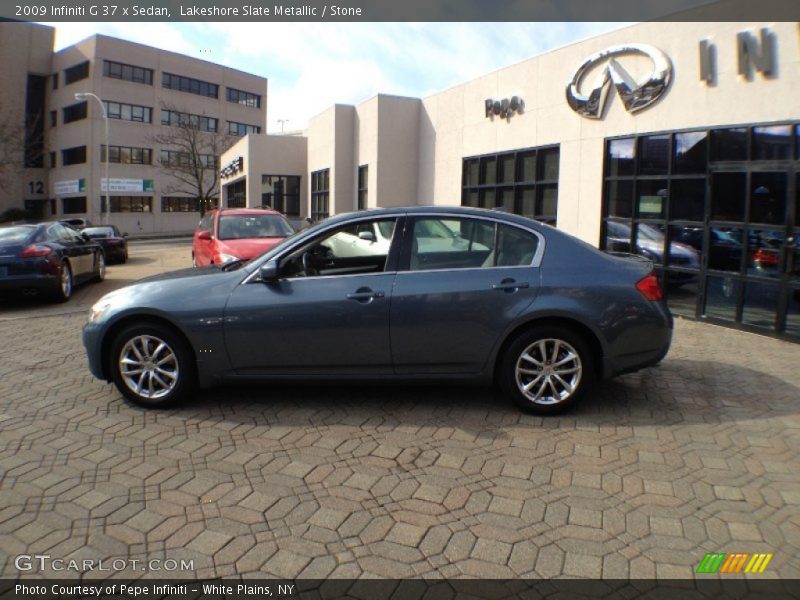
point(455, 294)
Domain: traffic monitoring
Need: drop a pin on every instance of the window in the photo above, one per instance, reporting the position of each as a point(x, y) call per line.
point(235, 194)
point(73, 156)
point(54, 81)
point(189, 85)
point(117, 70)
point(320, 194)
point(128, 112)
point(76, 73)
point(281, 192)
point(53, 160)
point(129, 204)
point(174, 118)
point(74, 205)
point(75, 112)
point(35, 90)
point(443, 243)
point(179, 204)
point(243, 98)
point(238, 227)
point(242, 129)
point(185, 159)
point(524, 182)
point(363, 178)
point(53, 118)
point(126, 155)
point(348, 250)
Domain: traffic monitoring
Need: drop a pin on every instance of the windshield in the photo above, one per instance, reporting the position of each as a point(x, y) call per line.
point(11, 235)
point(99, 232)
point(238, 227)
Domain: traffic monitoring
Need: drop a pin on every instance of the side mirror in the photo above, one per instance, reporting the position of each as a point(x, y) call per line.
point(366, 235)
point(86, 237)
point(269, 271)
point(125, 234)
point(204, 235)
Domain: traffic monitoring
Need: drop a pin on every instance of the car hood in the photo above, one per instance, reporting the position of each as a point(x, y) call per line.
point(183, 274)
point(248, 248)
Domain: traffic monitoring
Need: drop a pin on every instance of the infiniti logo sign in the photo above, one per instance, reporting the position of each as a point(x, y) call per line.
point(635, 95)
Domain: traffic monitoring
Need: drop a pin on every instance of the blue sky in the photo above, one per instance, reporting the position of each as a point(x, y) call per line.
point(311, 66)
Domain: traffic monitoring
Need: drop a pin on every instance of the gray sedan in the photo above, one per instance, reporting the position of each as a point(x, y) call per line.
point(456, 294)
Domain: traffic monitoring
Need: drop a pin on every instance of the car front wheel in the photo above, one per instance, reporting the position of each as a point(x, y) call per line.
point(152, 365)
point(546, 369)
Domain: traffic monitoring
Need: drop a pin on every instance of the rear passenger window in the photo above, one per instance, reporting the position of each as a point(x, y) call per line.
point(468, 244)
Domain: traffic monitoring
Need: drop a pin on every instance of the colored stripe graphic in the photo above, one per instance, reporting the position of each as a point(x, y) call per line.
point(735, 562)
point(758, 563)
point(711, 562)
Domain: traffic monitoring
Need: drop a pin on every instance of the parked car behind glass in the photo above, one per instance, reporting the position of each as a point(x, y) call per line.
point(48, 258)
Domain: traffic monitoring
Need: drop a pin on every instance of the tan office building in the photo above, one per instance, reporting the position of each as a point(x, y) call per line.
point(146, 94)
point(679, 141)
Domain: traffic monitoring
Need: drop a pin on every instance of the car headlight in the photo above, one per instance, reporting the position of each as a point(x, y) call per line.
point(226, 258)
point(98, 310)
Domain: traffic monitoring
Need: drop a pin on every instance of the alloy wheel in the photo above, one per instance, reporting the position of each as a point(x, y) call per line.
point(548, 371)
point(149, 367)
point(66, 281)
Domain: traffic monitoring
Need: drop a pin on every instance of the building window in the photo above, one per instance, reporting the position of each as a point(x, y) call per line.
point(282, 193)
point(128, 112)
point(174, 118)
point(138, 204)
point(74, 112)
point(76, 73)
point(74, 205)
point(363, 178)
point(235, 194)
point(241, 129)
point(187, 84)
point(243, 98)
point(53, 118)
point(713, 210)
point(320, 194)
point(176, 158)
point(73, 156)
point(53, 160)
point(524, 182)
point(35, 121)
point(117, 70)
point(54, 80)
point(127, 155)
point(179, 204)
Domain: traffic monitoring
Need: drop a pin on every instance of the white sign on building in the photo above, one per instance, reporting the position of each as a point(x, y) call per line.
point(127, 185)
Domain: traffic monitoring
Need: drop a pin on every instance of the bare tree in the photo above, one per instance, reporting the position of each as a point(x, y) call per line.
point(12, 147)
point(190, 151)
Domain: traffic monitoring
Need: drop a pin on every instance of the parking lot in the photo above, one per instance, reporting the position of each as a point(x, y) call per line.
point(647, 475)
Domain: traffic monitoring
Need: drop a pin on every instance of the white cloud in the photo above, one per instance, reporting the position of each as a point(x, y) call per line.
point(311, 66)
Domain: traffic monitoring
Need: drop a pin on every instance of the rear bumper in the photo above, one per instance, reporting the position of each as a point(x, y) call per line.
point(28, 281)
point(642, 346)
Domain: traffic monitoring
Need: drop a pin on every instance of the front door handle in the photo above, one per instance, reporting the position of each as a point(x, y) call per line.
point(509, 285)
point(364, 295)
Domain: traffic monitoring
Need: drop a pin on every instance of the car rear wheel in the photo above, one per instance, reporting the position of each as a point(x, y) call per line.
point(99, 267)
point(152, 366)
point(63, 291)
point(546, 369)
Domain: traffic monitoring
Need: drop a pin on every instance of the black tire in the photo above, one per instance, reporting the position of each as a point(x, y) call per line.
point(99, 267)
point(63, 290)
point(555, 397)
point(183, 366)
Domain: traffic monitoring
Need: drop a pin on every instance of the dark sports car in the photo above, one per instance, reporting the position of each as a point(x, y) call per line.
point(454, 293)
point(114, 243)
point(48, 258)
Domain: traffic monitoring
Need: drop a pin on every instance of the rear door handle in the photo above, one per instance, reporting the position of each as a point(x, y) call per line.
point(510, 285)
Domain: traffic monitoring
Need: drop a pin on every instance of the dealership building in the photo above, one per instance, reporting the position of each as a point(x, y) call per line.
point(678, 141)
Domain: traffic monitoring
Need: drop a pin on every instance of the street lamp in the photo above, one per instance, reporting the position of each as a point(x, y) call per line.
point(283, 122)
point(83, 96)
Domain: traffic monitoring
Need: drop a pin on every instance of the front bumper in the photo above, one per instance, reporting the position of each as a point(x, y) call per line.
point(93, 343)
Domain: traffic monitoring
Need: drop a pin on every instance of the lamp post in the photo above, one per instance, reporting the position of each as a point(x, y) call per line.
point(283, 122)
point(83, 96)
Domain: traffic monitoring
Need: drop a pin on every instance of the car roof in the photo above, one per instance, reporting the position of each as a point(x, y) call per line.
point(247, 211)
point(447, 210)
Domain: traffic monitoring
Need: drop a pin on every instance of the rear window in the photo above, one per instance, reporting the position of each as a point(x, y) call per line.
point(15, 234)
point(237, 227)
point(99, 231)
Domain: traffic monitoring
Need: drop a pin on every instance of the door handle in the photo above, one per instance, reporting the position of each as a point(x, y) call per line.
point(510, 285)
point(364, 295)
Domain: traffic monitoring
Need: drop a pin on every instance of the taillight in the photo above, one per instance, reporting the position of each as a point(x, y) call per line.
point(649, 288)
point(35, 250)
point(113, 242)
point(765, 257)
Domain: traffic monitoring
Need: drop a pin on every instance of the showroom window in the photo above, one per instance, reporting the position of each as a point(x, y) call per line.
point(281, 193)
point(235, 194)
point(128, 204)
point(523, 182)
point(320, 194)
point(363, 179)
point(718, 213)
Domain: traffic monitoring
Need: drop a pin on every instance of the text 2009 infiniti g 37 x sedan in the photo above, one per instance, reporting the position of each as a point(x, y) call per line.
point(460, 294)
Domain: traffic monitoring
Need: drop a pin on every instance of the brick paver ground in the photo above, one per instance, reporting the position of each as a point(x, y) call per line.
point(648, 474)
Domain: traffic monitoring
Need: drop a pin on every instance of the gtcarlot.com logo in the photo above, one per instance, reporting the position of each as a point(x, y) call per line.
point(734, 562)
point(44, 562)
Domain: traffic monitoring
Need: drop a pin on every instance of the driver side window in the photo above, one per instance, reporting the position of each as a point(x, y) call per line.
point(348, 250)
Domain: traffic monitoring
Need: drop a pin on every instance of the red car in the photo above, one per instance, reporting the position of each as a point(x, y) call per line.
point(229, 234)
